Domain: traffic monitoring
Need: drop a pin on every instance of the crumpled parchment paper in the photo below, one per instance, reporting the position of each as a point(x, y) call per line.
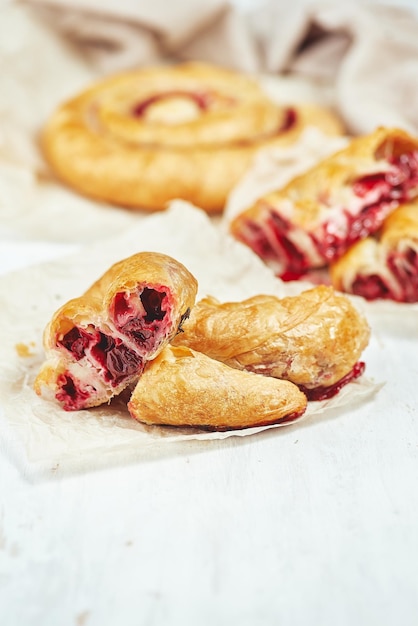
point(39, 435)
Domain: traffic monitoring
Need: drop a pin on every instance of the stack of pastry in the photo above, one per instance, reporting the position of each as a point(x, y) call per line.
point(355, 213)
point(212, 365)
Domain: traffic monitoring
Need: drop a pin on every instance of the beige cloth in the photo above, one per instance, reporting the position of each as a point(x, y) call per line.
point(369, 52)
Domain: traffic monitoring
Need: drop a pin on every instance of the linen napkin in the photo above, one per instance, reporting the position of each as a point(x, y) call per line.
point(367, 51)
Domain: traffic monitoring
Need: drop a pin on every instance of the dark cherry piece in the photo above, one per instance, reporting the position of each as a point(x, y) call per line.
point(109, 354)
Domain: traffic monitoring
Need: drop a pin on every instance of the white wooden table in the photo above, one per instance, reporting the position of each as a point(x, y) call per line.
point(312, 524)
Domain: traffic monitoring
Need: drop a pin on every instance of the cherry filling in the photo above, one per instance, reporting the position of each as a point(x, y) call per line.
point(152, 301)
point(145, 330)
point(271, 238)
point(323, 393)
point(370, 287)
point(69, 394)
point(289, 121)
point(202, 100)
point(296, 263)
point(141, 318)
point(404, 267)
point(116, 361)
point(76, 341)
point(404, 270)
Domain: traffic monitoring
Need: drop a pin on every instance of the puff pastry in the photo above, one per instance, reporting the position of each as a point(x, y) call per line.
point(320, 214)
point(182, 387)
point(97, 344)
point(142, 138)
point(384, 266)
point(314, 340)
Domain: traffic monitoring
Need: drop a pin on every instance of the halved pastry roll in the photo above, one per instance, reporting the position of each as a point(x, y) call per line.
point(98, 344)
point(182, 387)
point(386, 265)
point(314, 340)
point(144, 137)
point(315, 218)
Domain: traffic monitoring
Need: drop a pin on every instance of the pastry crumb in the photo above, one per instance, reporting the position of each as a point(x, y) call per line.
point(25, 350)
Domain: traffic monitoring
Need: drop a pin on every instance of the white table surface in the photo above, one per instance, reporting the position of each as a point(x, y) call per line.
point(312, 524)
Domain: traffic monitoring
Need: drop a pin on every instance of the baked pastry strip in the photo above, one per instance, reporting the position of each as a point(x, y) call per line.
point(319, 215)
point(97, 344)
point(182, 387)
point(142, 138)
point(384, 266)
point(314, 340)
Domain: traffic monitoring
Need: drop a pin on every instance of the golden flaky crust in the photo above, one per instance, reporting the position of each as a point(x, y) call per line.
point(142, 138)
point(385, 265)
point(98, 343)
point(313, 219)
point(313, 339)
point(182, 387)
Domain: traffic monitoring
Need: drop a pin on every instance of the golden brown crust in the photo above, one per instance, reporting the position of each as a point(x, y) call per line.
point(313, 339)
point(192, 142)
point(385, 265)
point(320, 213)
point(306, 191)
point(401, 225)
point(182, 387)
point(100, 341)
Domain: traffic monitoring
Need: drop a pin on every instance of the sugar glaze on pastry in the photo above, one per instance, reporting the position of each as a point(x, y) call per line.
point(182, 387)
point(314, 340)
point(314, 219)
point(142, 138)
point(97, 344)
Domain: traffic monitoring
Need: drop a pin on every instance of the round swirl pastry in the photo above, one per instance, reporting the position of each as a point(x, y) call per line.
point(142, 138)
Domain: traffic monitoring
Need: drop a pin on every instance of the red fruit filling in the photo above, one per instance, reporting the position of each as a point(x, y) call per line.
point(291, 417)
point(404, 267)
point(370, 287)
point(76, 341)
point(202, 100)
point(290, 119)
point(117, 360)
point(278, 242)
point(69, 394)
point(142, 318)
point(145, 331)
point(404, 284)
point(323, 393)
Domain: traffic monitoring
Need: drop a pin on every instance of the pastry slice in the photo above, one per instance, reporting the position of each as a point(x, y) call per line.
point(98, 344)
point(182, 387)
point(314, 340)
point(319, 215)
point(384, 266)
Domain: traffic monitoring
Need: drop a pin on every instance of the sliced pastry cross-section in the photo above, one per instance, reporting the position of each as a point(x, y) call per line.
point(97, 344)
point(319, 215)
point(384, 266)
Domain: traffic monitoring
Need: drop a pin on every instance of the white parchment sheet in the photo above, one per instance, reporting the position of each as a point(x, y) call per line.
point(37, 433)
